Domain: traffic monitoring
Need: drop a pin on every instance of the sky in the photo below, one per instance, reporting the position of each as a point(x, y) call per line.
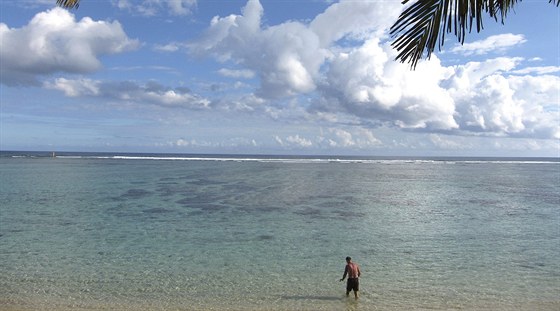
point(311, 77)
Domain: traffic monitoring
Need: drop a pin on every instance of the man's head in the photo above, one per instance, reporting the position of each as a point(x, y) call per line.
point(348, 259)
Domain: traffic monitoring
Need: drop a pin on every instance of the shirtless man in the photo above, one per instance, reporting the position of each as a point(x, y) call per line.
point(352, 270)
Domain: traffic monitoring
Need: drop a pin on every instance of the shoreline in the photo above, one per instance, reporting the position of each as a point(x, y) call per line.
point(347, 304)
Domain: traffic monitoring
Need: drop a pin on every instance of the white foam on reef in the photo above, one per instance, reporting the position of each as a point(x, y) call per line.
point(295, 159)
point(313, 160)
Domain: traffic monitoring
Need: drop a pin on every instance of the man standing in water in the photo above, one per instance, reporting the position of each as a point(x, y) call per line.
point(352, 270)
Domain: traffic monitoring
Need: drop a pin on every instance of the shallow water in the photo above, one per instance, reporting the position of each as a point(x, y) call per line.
point(128, 234)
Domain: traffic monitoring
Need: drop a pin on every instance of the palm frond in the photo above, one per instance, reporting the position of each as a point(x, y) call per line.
point(71, 4)
point(501, 7)
point(419, 26)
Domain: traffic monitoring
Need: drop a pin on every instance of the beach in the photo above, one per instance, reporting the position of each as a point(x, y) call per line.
point(160, 232)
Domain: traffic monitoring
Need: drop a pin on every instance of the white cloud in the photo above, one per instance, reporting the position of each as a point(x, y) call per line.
point(351, 82)
point(181, 7)
point(149, 93)
point(299, 141)
point(539, 98)
point(153, 7)
point(470, 73)
point(356, 138)
point(288, 57)
point(342, 138)
point(447, 143)
point(170, 47)
point(365, 138)
point(471, 99)
point(498, 104)
point(182, 142)
point(293, 141)
point(75, 88)
point(371, 86)
point(358, 82)
point(54, 41)
point(497, 43)
point(279, 140)
point(537, 70)
point(231, 73)
point(357, 19)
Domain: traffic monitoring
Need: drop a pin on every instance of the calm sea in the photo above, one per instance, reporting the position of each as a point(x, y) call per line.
point(180, 232)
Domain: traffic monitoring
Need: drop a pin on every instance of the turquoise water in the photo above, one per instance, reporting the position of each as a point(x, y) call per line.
point(154, 233)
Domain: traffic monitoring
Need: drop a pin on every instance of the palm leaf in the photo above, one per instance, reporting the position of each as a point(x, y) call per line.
point(421, 24)
point(71, 4)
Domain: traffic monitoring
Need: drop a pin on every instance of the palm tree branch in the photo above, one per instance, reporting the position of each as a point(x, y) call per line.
point(418, 27)
point(71, 4)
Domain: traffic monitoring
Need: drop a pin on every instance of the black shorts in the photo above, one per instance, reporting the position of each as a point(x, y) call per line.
point(353, 284)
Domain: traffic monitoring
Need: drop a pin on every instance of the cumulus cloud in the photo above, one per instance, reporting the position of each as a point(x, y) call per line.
point(369, 84)
point(342, 138)
point(446, 143)
point(75, 88)
point(346, 67)
point(493, 103)
point(354, 19)
point(362, 81)
point(231, 73)
point(356, 138)
point(497, 43)
point(153, 7)
point(345, 60)
point(170, 47)
point(299, 141)
point(149, 93)
point(54, 41)
point(293, 141)
point(288, 56)
point(537, 70)
point(478, 98)
point(365, 138)
point(350, 138)
point(182, 142)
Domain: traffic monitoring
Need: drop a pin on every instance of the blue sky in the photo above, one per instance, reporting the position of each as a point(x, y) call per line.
point(272, 77)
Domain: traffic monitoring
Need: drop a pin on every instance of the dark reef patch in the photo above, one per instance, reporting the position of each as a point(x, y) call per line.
point(134, 194)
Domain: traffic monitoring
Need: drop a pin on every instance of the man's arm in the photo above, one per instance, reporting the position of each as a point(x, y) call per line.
point(345, 273)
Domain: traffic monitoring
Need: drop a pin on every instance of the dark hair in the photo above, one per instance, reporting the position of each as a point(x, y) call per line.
point(348, 258)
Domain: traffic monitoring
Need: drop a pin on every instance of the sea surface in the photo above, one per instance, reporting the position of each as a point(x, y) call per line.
point(83, 231)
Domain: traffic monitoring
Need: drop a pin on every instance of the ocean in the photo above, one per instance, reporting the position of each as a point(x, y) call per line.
point(87, 231)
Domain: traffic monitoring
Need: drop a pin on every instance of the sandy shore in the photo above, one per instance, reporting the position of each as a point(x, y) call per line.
point(350, 306)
